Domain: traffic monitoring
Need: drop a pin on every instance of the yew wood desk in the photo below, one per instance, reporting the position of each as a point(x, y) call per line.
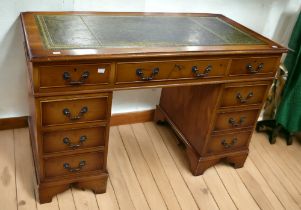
point(214, 72)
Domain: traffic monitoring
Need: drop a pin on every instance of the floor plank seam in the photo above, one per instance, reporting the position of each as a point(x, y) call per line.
point(247, 188)
point(120, 136)
point(15, 168)
point(163, 139)
point(160, 165)
point(276, 162)
point(148, 167)
point(270, 184)
point(280, 180)
point(226, 188)
point(109, 182)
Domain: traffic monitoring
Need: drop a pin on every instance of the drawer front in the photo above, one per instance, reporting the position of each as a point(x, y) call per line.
point(75, 110)
point(74, 139)
point(74, 75)
point(253, 66)
point(235, 120)
point(69, 165)
point(240, 95)
point(229, 142)
point(170, 70)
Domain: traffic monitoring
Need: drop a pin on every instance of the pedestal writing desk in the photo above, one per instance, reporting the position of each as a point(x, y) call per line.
point(214, 73)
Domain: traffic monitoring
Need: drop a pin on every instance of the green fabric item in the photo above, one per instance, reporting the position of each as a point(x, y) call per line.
point(289, 111)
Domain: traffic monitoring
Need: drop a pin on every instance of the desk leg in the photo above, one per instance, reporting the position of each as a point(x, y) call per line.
point(198, 164)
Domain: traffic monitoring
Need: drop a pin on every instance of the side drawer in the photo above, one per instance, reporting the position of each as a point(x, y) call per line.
point(254, 66)
point(235, 120)
point(59, 76)
point(71, 140)
point(69, 165)
point(229, 142)
point(61, 110)
point(243, 94)
point(169, 70)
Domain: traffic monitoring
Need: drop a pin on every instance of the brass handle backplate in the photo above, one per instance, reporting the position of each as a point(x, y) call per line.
point(67, 141)
point(81, 164)
point(229, 145)
point(253, 70)
point(83, 78)
point(68, 114)
point(197, 72)
point(141, 75)
point(233, 122)
point(243, 100)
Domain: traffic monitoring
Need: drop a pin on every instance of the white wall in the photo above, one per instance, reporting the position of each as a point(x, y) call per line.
point(272, 18)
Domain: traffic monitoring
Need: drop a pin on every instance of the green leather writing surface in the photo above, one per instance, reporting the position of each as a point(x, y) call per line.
point(95, 31)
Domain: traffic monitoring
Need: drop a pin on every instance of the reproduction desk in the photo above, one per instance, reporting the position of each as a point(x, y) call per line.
point(214, 72)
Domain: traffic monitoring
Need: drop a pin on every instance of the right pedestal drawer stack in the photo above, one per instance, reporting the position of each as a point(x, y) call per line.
point(216, 121)
point(237, 113)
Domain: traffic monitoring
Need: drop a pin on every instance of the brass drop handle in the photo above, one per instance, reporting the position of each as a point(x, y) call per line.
point(81, 164)
point(198, 74)
point(68, 114)
point(242, 100)
point(139, 73)
point(236, 124)
point(83, 78)
point(67, 141)
point(229, 145)
point(252, 70)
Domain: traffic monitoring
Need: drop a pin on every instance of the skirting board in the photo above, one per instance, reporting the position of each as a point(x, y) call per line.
point(132, 117)
point(116, 119)
point(14, 122)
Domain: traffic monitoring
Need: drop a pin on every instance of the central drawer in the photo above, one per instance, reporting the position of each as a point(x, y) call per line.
point(74, 139)
point(62, 110)
point(69, 165)
point(169, 70)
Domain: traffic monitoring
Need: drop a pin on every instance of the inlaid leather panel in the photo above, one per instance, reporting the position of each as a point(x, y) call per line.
point(235, 120)
point(74, 139)
point(96, 31)
point(74, 110)
point(75, 164)
point(243, 94)
point(254, 66)
point(229, 142)
point(170, 70)
point(57, 76)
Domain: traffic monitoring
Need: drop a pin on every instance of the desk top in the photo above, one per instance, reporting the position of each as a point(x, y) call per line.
point(86, 35)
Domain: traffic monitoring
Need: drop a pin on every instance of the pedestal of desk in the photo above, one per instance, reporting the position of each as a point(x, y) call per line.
point(212, 133)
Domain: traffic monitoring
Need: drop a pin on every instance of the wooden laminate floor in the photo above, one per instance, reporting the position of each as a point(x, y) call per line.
point(148, 170)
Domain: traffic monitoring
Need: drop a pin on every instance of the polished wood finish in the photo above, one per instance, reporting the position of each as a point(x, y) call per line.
point(13, 122)
point(74, 139)
point(228, 142)
point(53, 110)
point(239, 67)
point(169, 70)
point(56, 166)
point(71, 76)
point(235, 119)
point(190, 109)
point(243, 94)
point(71, 94)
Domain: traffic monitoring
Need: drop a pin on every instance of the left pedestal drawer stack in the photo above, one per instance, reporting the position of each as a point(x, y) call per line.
point(69, 127)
